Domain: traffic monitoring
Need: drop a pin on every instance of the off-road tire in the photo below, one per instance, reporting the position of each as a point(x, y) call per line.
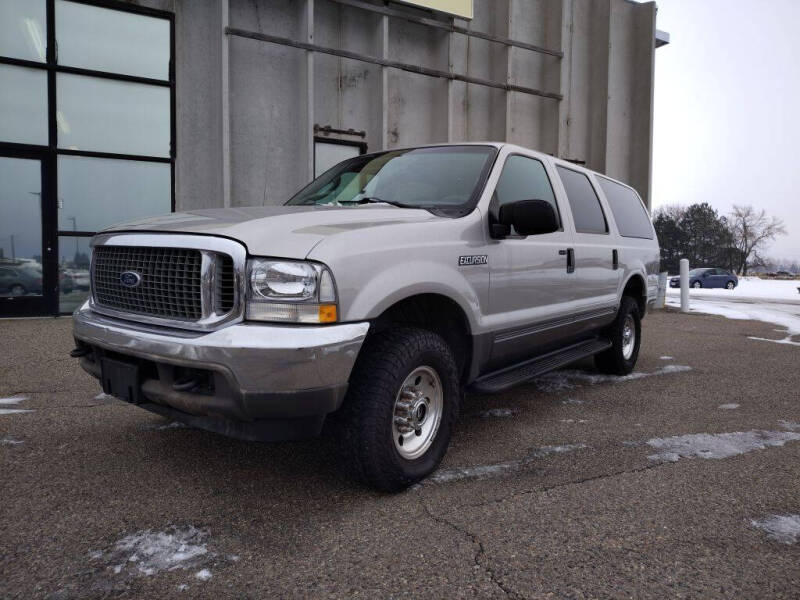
point(613, 361)
point(364, 424)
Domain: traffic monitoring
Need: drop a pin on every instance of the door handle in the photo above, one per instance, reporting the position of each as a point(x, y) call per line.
point(570, 252)
point(614, 259)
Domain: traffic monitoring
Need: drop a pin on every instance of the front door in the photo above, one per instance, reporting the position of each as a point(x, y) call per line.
point(531, 287)
point(28, 278)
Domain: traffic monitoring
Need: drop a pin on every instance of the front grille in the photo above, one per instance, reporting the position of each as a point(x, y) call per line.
point(170, 284)
point(224, 297)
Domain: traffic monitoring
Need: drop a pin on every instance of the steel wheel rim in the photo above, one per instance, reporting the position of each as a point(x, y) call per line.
point(417, 414)
point(628, 337)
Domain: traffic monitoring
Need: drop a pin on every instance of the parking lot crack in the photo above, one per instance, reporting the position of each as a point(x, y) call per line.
point(480, 551)
point(581, 481)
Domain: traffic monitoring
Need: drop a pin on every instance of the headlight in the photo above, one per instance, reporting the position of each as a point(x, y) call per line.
point(290, 291)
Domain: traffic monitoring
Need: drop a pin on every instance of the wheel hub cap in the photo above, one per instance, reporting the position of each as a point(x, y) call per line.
point(417, 412)
point(628, 337)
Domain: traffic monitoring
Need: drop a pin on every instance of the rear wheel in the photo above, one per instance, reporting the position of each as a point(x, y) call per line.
point(18, 290)
point(730, 285)
point(401, 406)
point(697, 285)
point(625, 334)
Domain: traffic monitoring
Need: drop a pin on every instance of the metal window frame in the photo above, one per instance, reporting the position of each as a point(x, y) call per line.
point(48, 154)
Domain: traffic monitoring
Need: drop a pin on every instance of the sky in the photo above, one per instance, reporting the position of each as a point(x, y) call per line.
point(727, 109)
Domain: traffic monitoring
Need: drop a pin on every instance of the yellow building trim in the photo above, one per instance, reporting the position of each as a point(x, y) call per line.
point(458, 8)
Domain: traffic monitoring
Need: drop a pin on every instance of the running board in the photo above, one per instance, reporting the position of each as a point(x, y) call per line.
point(501, 380)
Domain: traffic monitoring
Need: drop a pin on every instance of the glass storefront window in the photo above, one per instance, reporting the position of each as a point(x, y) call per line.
point(23, 105)
point(20, 227)
point(23, 29)
point(94, 193)
point(109, 40)
point(74, 258)
point(103, 115)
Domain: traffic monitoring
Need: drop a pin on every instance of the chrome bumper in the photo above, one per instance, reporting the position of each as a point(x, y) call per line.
point(270, 371)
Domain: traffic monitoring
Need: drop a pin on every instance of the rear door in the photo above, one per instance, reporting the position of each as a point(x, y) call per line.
point(718, 278)
point(596, 278)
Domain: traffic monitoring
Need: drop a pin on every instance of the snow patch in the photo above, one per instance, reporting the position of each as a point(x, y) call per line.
point(787, 340)
point(790, 425)
point(729, 406)
point(749, 288)
point(568, 379)
point(717, 445)
point(785, 315)
point(781, 528)
point(572, 401)
point(203, 575)
point(495, 470)
point(13, 411)
point(13, 400)
point(150, 552)
point(666, 358)
point(163, 426)
point(9, 441)
point(574, 420)
point(498, 413)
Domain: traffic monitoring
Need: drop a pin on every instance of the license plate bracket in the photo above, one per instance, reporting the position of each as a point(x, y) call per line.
point(120, 379)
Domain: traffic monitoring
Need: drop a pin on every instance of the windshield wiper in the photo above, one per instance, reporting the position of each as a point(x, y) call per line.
point(376, 200)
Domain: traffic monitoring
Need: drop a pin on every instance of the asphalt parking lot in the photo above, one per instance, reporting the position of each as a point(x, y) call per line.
point(569, 487)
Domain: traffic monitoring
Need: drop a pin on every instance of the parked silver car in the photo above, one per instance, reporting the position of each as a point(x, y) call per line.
point(373, 299)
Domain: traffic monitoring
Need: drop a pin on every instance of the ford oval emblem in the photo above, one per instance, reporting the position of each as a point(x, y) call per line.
point(130, 279)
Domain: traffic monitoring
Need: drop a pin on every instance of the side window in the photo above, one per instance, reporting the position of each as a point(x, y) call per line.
point(524, 178)
point(629, 212)
point(584, 203)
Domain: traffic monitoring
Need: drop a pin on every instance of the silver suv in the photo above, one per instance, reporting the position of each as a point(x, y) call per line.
point(372, 300)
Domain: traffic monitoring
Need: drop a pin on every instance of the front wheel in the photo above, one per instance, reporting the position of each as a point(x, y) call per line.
point(401, 406)
point(625, 334)
point(730, 285)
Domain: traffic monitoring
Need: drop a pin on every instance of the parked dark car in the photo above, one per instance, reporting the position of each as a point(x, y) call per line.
point(65, 282)
point(708, 278)
point(20, 280)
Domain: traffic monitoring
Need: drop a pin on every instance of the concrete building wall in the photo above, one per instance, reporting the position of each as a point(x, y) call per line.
point(246, 108)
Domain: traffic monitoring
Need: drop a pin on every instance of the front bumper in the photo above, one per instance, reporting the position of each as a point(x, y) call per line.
point(250, 372)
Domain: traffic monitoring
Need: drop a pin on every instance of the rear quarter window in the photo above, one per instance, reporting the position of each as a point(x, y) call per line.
point(629, 212)
point(583, 202)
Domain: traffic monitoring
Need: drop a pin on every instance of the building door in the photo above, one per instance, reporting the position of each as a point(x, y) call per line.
point(86, 139)
point(27, 257)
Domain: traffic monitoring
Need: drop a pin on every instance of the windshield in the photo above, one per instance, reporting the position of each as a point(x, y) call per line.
point(445, 177)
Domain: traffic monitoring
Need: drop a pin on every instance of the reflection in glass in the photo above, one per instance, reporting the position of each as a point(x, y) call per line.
point(23, 105)
point(23, 29)
point(20, 227)
point(94, 193)
point(112, 116)
point(74, 258)
point(110, 40)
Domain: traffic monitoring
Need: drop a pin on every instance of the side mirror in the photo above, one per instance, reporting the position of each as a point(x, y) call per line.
point(528, 217)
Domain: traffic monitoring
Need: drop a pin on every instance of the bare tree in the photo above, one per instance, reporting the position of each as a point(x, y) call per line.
point(751, 231)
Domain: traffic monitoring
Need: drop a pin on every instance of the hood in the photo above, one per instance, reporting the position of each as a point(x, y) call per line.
point(280, 231)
